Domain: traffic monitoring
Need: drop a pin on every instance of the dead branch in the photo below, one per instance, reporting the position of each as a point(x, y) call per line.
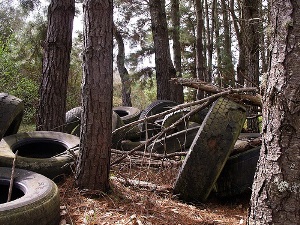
point(152, 155)
point(204, 86)
point(143, 184)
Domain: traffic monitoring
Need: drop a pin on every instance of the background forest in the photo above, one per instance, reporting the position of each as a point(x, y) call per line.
point(223, 42)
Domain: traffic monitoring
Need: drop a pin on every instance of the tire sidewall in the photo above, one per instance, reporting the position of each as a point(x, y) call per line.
point(50, 167)
point(40, 203)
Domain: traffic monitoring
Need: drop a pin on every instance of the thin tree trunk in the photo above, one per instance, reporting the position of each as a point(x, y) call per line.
point(209, 33)
point(276, 191)
point(56, 64)
point(199, 45)
point(175, 17)
point(96, 130)
point(251, 41)
point(163, 63)
point(125, 79)
point(239, 34)
point(218, 42)
point(227, 65)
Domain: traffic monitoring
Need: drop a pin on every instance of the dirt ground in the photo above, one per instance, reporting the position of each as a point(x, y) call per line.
point(141, 203)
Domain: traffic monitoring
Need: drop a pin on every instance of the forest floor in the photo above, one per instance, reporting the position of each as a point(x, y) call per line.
point(135, 205)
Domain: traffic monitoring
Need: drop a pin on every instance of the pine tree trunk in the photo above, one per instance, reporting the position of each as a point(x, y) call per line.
point(56, 64)
point(97, 85)
point(209, 32)
point(175, 17)
point(125, 79)
point(239, 30)
point(276, 189)
point(251, 41)
point(199, 45)
point(227, 65)
point(163, 63)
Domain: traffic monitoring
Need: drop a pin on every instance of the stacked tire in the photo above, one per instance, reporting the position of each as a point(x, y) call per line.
point(11, 114)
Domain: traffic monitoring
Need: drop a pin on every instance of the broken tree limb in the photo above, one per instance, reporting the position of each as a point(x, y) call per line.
point(204, 86)
point(152, 155)
point(143, 184)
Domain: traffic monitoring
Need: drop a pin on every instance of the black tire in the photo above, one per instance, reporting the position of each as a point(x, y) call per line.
point(11, 114)
point(171, 118)
point(44, 152)
point(127, 114)
point(209, 151)
point(238, 173)
point(73, 121)
point(35, 199)
point(154, 108)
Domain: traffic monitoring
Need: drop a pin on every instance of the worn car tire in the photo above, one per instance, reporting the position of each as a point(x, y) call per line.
point(238, 173)
point(73, 121)
point(11, 114)
point(44, 152)
point(154, 108)
point(209, 151)
point(127, 114)
point(37, 203)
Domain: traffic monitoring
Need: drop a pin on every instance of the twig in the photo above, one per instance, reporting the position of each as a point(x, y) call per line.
point(12, 178)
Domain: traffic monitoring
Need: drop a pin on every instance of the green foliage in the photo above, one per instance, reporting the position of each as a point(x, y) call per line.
point(75, 74)
point(143, 92)
point(15, 83)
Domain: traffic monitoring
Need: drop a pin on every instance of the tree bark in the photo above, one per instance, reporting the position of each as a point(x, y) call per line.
point(251, 40)
point(163, 63)
point(175, 17)
point(239, 30)
point(276, 189)
point(227, 69)
point(56, 64)
point(199, 45)
point(210, 37)
point(97, 85)
point(125, 79)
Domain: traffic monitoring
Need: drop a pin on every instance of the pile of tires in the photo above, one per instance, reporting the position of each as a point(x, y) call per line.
point(73, 121)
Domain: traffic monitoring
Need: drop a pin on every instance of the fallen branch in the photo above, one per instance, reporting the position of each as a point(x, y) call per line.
point(143, 184)
point(201, 85)
point(152, 155)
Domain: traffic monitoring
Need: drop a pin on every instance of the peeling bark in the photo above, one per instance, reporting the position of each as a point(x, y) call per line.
point(276, 187)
